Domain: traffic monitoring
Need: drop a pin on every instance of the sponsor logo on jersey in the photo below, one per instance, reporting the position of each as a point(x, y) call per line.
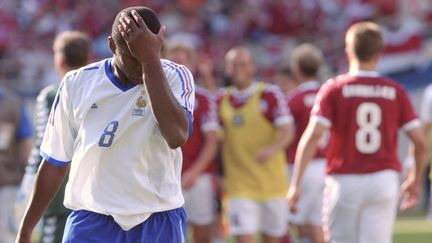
point(137, 112)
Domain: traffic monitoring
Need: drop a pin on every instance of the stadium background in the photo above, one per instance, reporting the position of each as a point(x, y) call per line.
point(271, 28)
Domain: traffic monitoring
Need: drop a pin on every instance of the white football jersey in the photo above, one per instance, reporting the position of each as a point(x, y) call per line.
point(121, 165)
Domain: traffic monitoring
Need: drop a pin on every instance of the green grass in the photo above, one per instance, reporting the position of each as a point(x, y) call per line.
point(408, 229)
point(412, 229)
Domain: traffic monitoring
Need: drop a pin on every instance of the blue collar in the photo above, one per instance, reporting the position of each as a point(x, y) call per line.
point(113, 79)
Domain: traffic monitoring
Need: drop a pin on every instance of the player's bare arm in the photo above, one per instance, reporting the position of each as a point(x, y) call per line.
point(285, 137)
point(145, 47)
point(48, 181)
point(305, 152)
point(410, 189)
point(205, 157)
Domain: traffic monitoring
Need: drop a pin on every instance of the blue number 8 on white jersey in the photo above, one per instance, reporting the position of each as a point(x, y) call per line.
point(121, 164)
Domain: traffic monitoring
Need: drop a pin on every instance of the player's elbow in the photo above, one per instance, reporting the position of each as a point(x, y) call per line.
point(179, 138)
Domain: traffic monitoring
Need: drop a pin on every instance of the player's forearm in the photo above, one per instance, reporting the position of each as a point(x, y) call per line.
point(304, 154)
point(48, 181)
point(306, 150)
point(419, 151)
point(170, 115)
point(207, 153)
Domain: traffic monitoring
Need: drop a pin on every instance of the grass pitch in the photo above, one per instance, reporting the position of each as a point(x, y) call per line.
point(412, 229)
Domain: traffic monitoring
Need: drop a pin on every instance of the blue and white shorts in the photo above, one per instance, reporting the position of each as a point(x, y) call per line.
point(165, 227)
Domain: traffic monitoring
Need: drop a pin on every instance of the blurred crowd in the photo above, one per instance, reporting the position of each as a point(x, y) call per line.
point(269, 27)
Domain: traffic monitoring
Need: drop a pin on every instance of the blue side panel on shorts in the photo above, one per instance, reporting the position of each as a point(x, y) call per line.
point(164, 227)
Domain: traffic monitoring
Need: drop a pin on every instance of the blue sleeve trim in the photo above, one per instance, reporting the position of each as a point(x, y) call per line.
point(25, 127)
point(190, 120)
point(53, 161)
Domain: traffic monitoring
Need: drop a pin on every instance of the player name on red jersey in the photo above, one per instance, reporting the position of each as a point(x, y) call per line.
point(369, 91)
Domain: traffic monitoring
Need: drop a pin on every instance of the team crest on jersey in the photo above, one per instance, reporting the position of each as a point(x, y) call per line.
point(238, 120)
point(140, 103)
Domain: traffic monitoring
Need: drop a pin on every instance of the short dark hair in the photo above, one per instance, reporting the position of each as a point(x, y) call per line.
point(365, 39)
point(74, 46)
point(146, 14)
point(308, 58)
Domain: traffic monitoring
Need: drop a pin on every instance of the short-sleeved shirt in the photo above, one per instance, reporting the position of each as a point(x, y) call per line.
point(300, 102)
point(205, 119)
point(272, 103)
point(121, 164)
point(364, 112)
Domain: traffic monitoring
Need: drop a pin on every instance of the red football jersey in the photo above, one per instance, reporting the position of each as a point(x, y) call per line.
point(364, 112)
point(205, 119)
point(300, 103)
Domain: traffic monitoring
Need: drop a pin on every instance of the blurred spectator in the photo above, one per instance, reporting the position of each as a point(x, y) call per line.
point(263, 26)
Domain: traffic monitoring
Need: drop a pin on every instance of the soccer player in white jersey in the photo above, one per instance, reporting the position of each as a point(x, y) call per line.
point(363, 112)
point(117, 125)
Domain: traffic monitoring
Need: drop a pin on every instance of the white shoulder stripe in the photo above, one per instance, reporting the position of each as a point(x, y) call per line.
point(411, 124)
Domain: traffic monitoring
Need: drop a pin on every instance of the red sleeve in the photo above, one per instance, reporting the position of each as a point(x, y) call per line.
point(276, 109)
point(323, 108)
point(209, 119)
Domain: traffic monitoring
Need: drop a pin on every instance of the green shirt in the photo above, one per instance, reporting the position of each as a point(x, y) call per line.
point(44, 102)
